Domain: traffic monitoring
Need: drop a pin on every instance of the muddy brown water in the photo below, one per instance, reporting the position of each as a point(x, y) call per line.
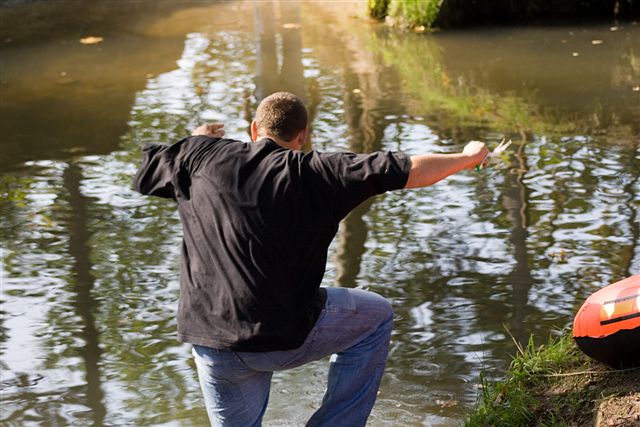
point(90, 268)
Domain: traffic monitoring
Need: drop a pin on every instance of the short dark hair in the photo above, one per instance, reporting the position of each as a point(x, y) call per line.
point(281, 115)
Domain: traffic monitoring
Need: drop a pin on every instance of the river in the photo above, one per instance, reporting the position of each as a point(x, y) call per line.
point(89, 283)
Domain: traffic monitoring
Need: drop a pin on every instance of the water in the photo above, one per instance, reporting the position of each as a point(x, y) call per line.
point(90, 268)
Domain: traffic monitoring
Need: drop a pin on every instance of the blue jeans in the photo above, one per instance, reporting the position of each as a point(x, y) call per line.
point(355, 327)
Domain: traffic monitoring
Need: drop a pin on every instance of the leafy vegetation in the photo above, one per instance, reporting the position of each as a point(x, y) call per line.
point(458, 13)
point(415, 13)
point(378, 8)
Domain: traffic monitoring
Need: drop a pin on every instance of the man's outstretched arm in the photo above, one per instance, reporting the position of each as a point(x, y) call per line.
point(427, 169)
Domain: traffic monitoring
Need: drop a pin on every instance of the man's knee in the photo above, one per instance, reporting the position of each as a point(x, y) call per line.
point(375, 304)
point(386, 309)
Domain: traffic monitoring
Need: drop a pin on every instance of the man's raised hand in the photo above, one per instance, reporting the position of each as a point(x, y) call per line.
point(477, 152)
point(214, 130)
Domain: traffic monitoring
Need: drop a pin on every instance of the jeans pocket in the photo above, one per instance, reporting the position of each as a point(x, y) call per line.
point(219, 363)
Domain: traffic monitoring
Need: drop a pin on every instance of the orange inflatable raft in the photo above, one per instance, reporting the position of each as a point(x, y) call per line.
point(607, 326)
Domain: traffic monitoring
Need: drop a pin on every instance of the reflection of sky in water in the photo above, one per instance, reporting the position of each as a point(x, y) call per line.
point(422, 316)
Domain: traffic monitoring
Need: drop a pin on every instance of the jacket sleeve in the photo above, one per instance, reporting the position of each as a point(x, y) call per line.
point(353, 178)
point(155, 177)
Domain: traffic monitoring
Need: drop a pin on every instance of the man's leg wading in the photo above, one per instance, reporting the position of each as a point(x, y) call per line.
point(354, 327)
point(234, 394)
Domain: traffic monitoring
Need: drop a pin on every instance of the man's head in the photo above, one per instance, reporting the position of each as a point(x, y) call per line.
point(282, 117)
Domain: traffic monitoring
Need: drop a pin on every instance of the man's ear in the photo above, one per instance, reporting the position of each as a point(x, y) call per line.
point(254, 131)
point(301, 139)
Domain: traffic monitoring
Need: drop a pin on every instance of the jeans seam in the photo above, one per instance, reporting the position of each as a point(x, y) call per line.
point(237, 356)
point(213, 350)
point(308, 342)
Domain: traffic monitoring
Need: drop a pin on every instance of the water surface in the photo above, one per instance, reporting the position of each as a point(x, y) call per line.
point(90, 268)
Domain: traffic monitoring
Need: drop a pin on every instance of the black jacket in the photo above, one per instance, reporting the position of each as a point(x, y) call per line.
point(257, 222)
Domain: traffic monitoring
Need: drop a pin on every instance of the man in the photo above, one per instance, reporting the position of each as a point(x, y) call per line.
point(257, 220)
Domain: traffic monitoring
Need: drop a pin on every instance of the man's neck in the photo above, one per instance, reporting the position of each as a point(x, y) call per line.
point(290, 145)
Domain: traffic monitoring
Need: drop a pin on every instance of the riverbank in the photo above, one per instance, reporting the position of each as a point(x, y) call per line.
point(556, 384)
point(426, 14)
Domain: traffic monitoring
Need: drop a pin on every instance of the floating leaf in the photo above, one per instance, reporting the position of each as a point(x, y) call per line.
point(447, 403)
point(91, 40)
point(596, 42)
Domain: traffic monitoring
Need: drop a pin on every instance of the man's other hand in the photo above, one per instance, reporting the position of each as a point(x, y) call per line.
point(214, 130)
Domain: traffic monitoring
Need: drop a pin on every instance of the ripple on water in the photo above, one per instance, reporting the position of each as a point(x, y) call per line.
point(424, 368)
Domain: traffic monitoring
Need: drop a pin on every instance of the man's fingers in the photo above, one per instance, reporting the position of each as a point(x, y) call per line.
point(216, 129)
point(215, 125)
point(211, 126)
point(210, 129)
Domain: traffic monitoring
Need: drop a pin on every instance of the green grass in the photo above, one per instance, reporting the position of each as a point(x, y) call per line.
point(511, 402)
point(551, 385)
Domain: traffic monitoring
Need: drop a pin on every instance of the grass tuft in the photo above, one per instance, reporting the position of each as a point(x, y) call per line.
point(519, 401)
point(551, 385)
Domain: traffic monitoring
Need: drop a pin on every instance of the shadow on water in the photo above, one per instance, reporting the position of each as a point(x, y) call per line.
point(61, 98)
